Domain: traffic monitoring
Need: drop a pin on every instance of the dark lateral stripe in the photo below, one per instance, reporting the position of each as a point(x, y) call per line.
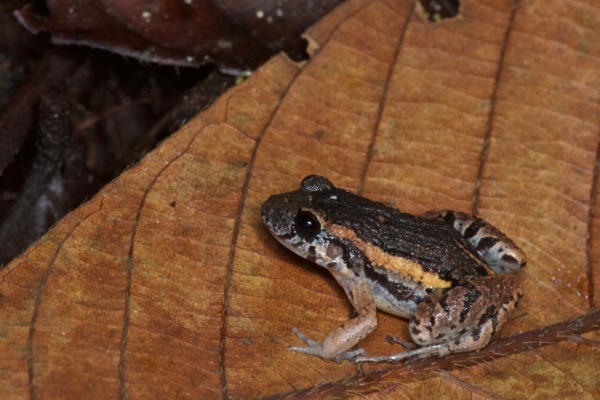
point(396, 289)
point(472, 229)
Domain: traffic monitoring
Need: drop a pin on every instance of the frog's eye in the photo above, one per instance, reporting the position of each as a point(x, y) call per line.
point(306, 225)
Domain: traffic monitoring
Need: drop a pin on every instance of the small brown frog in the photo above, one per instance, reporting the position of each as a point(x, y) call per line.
point(439, 269)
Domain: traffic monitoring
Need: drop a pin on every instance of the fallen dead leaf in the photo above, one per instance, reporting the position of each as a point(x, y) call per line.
point(234, 35)
point(167, 285)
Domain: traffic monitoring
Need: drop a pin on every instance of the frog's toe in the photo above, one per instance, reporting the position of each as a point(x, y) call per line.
point(312, 346)
point(304, 338)
point(315, 348)
point(406, 345)
point(349, 356)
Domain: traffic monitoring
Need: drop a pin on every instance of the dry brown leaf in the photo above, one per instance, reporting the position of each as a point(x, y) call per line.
point(166, 284)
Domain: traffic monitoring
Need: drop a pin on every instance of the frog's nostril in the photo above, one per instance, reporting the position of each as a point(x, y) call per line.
point(264, 214)
point(271, 214)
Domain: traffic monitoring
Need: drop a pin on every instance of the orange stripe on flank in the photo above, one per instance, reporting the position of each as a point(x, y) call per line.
point(400, 265)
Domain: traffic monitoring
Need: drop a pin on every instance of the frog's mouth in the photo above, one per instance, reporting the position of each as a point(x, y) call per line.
point(316, 252)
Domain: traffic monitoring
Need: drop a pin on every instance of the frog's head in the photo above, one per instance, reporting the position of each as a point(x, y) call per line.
point(297, 220)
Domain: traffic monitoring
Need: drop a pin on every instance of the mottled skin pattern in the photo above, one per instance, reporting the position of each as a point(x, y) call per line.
point(438, 269)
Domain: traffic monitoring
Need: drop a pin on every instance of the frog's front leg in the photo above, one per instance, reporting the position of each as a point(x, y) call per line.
point(337, 343)
point(461, 319)
point(499, 252)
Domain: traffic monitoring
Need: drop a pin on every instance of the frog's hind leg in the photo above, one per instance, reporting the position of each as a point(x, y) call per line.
point(462, 319)
point(499, 252)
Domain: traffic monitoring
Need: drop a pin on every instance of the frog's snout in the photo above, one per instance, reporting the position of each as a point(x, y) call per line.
point(269, 211)
point(277, 215)
point(264, 212)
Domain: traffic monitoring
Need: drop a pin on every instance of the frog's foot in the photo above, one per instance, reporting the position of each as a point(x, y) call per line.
point(436, 350)
point(406, 345)
point(316, 349)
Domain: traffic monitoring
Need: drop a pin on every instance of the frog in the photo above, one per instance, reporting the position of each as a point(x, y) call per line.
point(451, 274)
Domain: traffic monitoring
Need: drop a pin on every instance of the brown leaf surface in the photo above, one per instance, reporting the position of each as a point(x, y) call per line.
point(167, 285)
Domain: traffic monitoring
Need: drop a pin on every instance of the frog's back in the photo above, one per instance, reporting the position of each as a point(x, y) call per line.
point(432, 244)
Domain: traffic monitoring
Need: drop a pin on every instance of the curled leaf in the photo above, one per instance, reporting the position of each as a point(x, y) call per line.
point(235, 35)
